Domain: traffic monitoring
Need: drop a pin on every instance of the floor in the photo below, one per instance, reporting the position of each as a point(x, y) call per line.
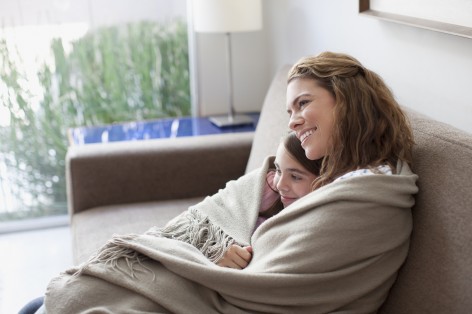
point(29, 259)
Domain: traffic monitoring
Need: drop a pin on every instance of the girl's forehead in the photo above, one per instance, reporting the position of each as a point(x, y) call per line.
point(284, 158)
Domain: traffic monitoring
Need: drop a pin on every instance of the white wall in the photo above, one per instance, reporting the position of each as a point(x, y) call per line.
point(428, 71)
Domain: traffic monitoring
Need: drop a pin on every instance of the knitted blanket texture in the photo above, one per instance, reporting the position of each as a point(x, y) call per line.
point(336, 250)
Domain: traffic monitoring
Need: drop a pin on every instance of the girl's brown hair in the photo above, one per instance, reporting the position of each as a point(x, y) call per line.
point(370, 129)
point(294, 148)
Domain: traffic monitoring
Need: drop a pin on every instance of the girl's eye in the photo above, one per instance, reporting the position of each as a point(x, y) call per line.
point(296, 178)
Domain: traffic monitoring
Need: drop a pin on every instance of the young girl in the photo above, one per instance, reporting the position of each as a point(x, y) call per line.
point(291, 179)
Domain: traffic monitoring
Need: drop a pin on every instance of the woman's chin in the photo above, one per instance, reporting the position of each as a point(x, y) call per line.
point(313, 154)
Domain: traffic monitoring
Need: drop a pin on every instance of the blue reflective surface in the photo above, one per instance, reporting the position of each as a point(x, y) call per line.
point(162, 128)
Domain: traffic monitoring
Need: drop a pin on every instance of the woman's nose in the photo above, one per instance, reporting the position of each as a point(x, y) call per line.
point(295, 121)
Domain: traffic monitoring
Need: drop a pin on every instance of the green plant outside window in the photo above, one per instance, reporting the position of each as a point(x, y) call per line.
point(132, 72)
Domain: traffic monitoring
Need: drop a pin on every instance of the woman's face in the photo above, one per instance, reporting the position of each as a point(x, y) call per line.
point(291, 179)
point(311, 110)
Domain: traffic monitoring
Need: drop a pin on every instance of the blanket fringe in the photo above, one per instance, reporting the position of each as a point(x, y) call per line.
point(115, 249)
point(196, 229)
point(191, 227)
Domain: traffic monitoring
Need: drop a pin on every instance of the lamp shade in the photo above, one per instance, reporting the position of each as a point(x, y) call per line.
point(227, 16)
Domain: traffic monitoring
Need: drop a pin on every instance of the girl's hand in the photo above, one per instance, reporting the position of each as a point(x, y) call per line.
point(236, 257)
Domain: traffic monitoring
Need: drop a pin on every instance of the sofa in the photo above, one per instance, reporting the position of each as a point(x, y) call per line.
point(127, 187)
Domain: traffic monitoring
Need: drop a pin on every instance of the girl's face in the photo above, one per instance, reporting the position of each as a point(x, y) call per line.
point(311, 110)
point(291, 179)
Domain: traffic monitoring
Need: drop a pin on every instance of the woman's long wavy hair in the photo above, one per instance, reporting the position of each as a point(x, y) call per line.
point(370, 128)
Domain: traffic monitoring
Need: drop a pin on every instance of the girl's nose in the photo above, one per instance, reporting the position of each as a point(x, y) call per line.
point(281, 184)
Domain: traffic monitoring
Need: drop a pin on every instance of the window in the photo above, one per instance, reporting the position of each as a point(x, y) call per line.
point(67, 63)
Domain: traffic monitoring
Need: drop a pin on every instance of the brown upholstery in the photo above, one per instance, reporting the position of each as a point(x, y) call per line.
point(437, 276)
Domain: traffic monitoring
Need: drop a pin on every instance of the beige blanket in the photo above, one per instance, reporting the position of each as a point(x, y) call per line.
point(336, 250)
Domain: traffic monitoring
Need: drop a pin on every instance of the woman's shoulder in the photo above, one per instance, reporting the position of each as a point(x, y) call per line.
point(382, 169)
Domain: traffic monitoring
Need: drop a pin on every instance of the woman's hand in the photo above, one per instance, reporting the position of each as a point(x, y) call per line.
point(236, 257)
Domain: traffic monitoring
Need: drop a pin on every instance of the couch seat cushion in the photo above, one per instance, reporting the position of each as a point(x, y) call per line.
point(93, 227)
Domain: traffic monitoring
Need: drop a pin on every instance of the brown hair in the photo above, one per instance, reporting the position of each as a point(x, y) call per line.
point(370, 128)
point(294, 148)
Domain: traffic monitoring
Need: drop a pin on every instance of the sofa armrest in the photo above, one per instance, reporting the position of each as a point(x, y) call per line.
point(153, 170)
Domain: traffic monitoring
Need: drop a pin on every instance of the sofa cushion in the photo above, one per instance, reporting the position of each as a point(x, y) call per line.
point(92, 228)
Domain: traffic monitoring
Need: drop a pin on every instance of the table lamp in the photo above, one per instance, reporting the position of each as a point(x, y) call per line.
point(228, 16)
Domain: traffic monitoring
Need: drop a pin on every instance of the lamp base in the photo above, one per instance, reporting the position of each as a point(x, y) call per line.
point(226, 121)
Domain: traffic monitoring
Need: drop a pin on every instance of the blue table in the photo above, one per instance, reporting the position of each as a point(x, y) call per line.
point(161, 128)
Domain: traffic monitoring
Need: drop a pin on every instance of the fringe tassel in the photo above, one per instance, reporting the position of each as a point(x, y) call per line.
point(191, 227)
point(114, 250)
point(196, 229)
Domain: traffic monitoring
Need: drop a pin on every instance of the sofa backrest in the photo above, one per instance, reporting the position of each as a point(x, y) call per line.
point(437, 275)
point(273, 122)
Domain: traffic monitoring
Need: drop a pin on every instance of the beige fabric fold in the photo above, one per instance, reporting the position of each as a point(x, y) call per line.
point(337, 250)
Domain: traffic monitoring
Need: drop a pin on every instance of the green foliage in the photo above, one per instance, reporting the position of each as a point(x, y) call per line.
point(121, 73)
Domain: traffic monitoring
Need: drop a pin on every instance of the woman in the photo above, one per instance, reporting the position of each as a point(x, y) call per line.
point(337, 249)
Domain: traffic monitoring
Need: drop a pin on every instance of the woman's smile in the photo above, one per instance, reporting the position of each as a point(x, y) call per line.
point(304, 135)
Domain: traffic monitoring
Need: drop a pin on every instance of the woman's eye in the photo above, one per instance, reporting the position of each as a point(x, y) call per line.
point(296, 178)
point(303, 103)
